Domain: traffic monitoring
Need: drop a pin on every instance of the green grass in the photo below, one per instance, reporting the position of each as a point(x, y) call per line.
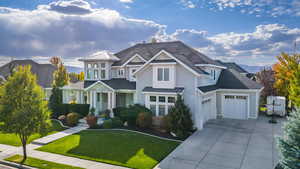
point(122, 148)
point(42, 164)
point(14, 140)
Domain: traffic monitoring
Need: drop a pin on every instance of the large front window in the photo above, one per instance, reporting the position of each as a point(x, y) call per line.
point(160, 105)
point(103, 71)
point(95, 71)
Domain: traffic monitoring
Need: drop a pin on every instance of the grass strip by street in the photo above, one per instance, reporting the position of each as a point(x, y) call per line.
point(41, 164)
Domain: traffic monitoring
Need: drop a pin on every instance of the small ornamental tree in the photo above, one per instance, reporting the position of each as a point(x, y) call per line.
point(180, 119)
point(60, 79)
point(289, 144)
point(23, 110)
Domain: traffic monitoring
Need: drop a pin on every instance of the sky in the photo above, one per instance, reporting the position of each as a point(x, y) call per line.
point(251, 32)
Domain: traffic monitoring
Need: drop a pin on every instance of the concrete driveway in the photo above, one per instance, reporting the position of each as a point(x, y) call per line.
point(228, 144)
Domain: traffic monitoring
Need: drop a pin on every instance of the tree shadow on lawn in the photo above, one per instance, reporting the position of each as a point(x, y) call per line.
point(122, 148)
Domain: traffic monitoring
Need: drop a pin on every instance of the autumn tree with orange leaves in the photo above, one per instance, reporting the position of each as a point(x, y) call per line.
point(286, 75)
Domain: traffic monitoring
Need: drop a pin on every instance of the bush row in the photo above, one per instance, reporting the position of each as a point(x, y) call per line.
point(81, 109)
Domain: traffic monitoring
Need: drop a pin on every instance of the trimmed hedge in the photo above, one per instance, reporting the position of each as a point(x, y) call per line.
point(81, 109)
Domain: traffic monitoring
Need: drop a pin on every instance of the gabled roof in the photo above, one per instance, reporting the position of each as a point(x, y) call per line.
point(179, 50)
point(101, 55)
point(116, 84)
point(231, 79)
point(44, 72)
point(232, 65)
point(163, 90)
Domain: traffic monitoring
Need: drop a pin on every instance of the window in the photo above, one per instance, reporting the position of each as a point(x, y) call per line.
point(160, 105)
point(103, 71)
point(96, 72)
point(213, 74)
point(152, 98)
point(95, 66)
point(163, 74)
point(121, 73)
point(98, 97)
point(229, 97)
point(131, 72)
point(89, 74)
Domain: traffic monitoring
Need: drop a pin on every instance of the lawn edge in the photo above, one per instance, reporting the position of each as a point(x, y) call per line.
point(139, 132)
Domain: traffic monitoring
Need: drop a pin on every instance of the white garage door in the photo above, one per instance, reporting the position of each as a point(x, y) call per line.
point(206, 109)
point(235, 106)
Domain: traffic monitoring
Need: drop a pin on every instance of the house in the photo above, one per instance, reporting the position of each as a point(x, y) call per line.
point(152, 74)
point(44, 72)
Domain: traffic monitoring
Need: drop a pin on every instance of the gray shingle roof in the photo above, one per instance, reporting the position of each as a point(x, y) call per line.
point(44, 72)
point(161, 90)
point(117, 84)
point(232, 65)
point(231, 79)
point(182, 52)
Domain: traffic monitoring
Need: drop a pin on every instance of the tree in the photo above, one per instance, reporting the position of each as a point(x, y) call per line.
point(74, 77)
point(23, 110)
point(60, 79)
point(179, 118)
point(60, 76)
point(266, 78)
point(289, 144)
point(284, 69)
point(55, 60)
point(294, 89)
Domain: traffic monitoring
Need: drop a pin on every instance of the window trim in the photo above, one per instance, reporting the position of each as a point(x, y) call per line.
point(163, 70)
point(121, 74)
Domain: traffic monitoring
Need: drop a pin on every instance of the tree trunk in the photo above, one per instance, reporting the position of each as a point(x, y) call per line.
point(24, 151)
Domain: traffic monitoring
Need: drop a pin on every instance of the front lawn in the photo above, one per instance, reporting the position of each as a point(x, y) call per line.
point(41, 164)
point(122, 148)
point(14, 140)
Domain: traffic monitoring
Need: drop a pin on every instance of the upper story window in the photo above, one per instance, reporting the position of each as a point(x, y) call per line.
point(94, 70)
point(163, 74)
point(131, 72)
point(121, 73)
point(103, 70)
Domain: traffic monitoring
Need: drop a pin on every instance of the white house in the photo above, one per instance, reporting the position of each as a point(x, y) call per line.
point(152, 74)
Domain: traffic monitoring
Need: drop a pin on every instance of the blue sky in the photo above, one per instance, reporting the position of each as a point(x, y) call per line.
point(249, 32)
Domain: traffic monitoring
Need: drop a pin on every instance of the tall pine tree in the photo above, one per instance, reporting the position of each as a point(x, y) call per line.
point(180, 119)
point(289, 144)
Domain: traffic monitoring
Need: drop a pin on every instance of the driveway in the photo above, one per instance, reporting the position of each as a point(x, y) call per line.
point(228, 144)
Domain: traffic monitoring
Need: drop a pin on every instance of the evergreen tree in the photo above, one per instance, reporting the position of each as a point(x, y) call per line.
point(180, 120)
point(60, 79)
point(23, 110)
point(289, 144)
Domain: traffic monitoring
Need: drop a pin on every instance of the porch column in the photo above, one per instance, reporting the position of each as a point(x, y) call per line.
point(109, 100)
point(114, 99)
point(91, 98)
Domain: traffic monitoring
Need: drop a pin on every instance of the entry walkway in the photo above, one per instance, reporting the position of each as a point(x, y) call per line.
point(228, 144)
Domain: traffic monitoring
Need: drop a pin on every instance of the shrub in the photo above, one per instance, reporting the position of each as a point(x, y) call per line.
point(117, 111)
point(81, 109)
point(180, 119)
point(92, 111)
point(117, 122)
point(144, 120)
point(107, 124)
point(165, 123)
point(72, 119)
point(91, 120)
point(130, 114)
point(62, 118)
point(105, 114)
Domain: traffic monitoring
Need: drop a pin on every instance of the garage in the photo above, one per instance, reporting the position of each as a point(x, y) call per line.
point(235, 106)
point(206, 107)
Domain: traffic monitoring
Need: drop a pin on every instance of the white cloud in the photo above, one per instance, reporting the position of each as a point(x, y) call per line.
point(273, 8)
point(188, 3)
point(126, 1)
point(70, 29)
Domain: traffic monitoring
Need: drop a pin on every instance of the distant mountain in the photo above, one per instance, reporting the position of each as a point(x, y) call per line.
point(74, 69)
point(253, 69)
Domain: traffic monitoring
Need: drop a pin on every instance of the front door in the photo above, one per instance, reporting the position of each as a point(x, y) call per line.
point(101, 102)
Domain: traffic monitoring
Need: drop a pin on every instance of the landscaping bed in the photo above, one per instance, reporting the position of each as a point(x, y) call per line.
point(122, 148)
point(41, 164)
point(14, 140)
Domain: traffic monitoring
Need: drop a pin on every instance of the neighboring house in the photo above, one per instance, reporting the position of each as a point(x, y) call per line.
point(44, 72)
point(152, 74)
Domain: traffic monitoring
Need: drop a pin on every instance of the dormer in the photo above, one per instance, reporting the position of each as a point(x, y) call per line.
point(97, 66)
